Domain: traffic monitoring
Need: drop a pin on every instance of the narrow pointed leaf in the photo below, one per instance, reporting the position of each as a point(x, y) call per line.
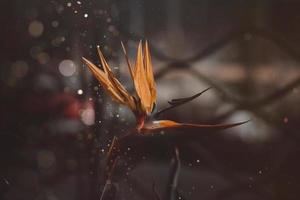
point(177, 102)
point(187, 99)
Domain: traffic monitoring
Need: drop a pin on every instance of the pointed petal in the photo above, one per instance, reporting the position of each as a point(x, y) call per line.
point(139, 58)
point(127, 60)
point(168, 124)
point(98, 73)
point(103, 61)
point(149, 74)
point(127, 98)
point(141, 82)
point(103, 79)
point(110, 83)
point(118, 86)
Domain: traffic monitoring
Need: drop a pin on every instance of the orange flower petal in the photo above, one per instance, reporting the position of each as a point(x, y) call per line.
point(110, 83)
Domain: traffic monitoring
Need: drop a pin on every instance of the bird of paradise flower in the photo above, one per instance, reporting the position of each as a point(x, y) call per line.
point(143, 103)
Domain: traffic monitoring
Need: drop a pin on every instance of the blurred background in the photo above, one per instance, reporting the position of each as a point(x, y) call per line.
point(57, 123)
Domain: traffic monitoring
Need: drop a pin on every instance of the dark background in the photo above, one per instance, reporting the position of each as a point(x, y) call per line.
point(56, 122)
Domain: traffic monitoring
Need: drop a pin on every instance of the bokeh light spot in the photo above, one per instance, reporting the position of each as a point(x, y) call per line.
point(88, 116)
point(67, 68)
point(55, 24)
point(80, 92)
point(36, 28)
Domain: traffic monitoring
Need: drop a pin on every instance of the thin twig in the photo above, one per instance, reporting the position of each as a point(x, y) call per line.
point(173, 178)
point(112, 157)
point(108, 182)
point(108, 179)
